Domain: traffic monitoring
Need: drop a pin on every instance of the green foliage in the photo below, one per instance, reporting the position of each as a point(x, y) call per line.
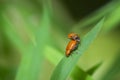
point(32, 53)
point(33, 37)
point(113, 72)
point(82, 74)
point(93, 69)
point(32, 59)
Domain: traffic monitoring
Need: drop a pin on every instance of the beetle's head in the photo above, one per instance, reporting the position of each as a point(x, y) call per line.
point(74, 36)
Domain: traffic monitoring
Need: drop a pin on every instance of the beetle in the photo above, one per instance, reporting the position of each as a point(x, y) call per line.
point(73, 44)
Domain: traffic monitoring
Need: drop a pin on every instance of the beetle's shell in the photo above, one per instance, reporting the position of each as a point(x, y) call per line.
point(72, 45)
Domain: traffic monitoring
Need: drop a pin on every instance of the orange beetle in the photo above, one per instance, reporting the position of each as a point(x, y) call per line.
point(73, 44)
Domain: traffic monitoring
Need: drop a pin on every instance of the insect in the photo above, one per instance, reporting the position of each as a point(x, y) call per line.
point(73, 44)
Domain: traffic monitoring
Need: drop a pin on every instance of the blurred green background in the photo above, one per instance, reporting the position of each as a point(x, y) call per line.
point(33, 38)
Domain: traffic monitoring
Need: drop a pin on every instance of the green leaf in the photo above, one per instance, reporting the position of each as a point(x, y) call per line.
point(79, 74)
point(113, 70)
point(66, 65)
point(32, 59)
point(10, 32)
point(93, 69)
point(53, 52)
point(89, 78)
point(99, 13)
point(113, 19)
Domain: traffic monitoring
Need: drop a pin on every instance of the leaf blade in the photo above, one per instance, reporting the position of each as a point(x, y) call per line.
point(66, 64)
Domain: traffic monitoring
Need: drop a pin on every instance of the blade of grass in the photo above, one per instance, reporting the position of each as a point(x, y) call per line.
point(93, 69)
point(32, 59)
point(89, 78)
point(79, 74)
point(113, 70)
point(98, 14)
point(113, 20)
point(32, 55)
point(11, 33)
point(53, 52)
point(65, 66)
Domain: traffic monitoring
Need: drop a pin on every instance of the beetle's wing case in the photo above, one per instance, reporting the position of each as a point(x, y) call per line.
point(70, 47)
